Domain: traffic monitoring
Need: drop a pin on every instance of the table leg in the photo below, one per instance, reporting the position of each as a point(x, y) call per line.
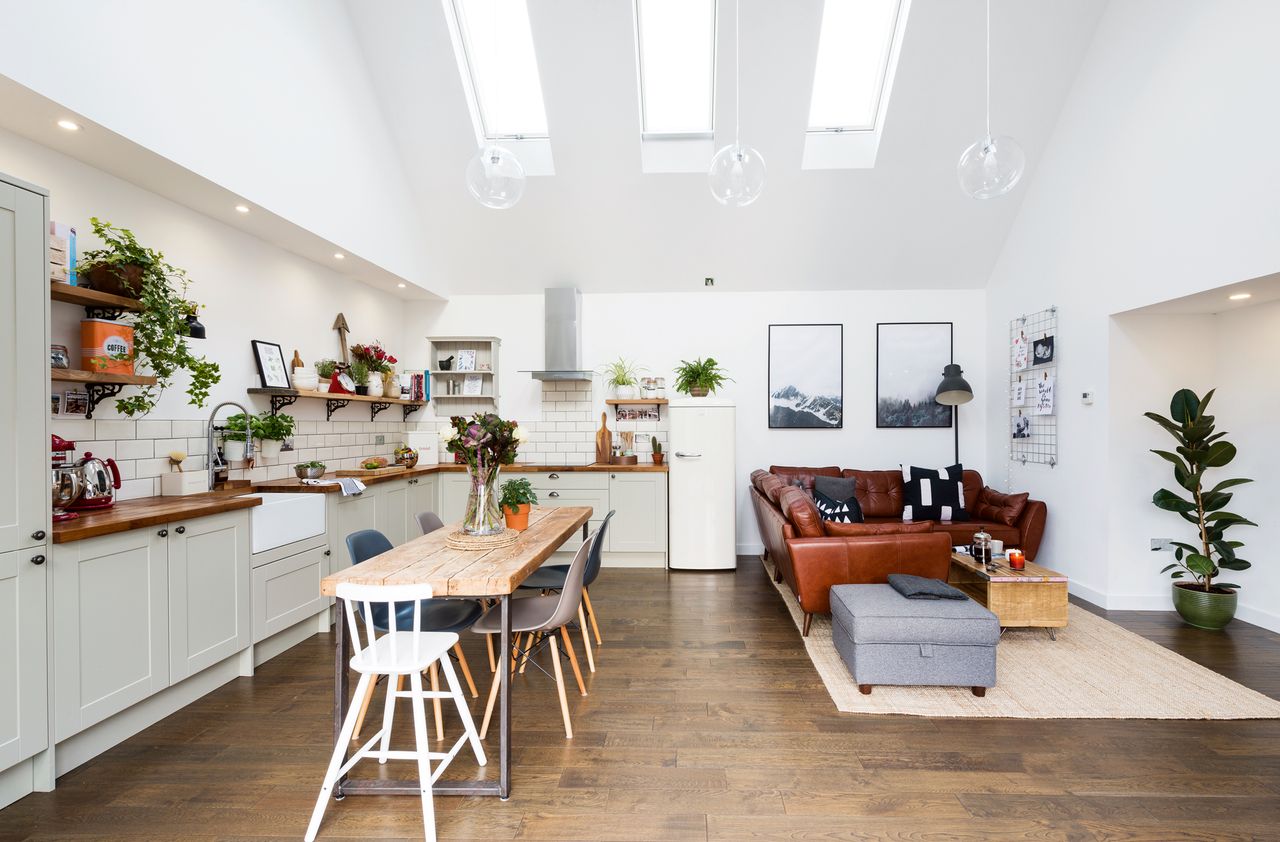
point(341, 685)
point(584, 532)
point(504, 710)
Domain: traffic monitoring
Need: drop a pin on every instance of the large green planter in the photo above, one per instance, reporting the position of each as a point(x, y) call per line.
point(1203, 609)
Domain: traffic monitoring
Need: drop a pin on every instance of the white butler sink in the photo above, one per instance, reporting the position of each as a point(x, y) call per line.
point(285, 518)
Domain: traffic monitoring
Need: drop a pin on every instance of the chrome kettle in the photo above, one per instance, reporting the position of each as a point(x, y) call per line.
point(99, 480)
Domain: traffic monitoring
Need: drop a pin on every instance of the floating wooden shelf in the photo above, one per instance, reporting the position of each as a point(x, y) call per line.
point(462, 397)
point(97, 305)
point(451, 371)
point(99, 385)
point(280, 398)
point(637, 402)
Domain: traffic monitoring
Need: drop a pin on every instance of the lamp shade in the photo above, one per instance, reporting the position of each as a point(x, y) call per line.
point(954, 389)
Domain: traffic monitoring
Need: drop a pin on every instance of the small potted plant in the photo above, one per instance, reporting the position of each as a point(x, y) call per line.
point(325, 369)
point(517, 499)
point(658, 455)
point(700, 377)
point(359, 372)
point(621, 376)
point(234, 434)
point(272, 431)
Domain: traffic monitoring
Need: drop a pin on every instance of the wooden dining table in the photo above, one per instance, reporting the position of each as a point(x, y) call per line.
point(453, 574)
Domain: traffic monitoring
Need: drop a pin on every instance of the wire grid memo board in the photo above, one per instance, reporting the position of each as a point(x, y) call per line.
point(1034, 355)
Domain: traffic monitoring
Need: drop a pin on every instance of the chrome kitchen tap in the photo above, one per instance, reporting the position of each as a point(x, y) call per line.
point(211, 455)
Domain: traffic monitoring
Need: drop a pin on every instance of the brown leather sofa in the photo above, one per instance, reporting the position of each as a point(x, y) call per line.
point(811, 555)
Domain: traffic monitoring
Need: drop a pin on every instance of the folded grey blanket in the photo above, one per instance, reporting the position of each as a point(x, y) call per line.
point(918, 587)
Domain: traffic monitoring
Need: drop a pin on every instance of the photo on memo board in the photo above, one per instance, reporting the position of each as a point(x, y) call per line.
point(910, 357)
point(806, 377)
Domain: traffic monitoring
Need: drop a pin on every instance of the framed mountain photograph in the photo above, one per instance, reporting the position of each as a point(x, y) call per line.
point(806, 377)
point(909, 361)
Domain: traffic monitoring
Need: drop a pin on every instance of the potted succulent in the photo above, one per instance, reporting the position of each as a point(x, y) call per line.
point(658, 455)
point(325, 369)
point(164, 323)
point(359, 372)
point(700, 377)
point(517, 499)
point(234, 434)
point(272, 432)
point(1202, 602)
point(621, 376)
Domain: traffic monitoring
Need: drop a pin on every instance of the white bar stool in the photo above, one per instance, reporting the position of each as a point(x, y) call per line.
point(394, 654)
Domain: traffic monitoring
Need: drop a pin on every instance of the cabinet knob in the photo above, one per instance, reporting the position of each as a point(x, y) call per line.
point(553, 494)
point(37, 559)
point(181, 530)
point(613, 476)
point(163, 533)
point(38, 535)
point(328, 552)
point(554, 476)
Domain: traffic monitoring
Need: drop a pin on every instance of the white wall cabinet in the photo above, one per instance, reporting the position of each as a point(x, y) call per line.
point(639, 524)
point(209, 591)
point(24, 708)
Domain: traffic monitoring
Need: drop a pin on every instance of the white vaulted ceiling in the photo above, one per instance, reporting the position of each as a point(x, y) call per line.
point(604, 225)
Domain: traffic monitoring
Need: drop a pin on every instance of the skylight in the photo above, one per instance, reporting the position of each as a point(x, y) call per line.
point(853, 58)
point(499, 67)
point(675, 54)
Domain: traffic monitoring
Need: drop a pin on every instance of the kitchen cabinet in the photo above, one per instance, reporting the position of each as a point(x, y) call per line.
point(24, 707)
point(453, 491)
point(24, 367)
point(393, 510)
point(424, 496)
point(352, 514)
point(209, 590)
point(287, 591)
point(110, 625)
point(639, 524)
point(573, 488)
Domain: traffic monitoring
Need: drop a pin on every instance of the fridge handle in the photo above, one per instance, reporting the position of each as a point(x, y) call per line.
point(682, 455)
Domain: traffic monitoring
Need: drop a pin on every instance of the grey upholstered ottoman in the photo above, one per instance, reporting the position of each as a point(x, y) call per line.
point(885, 638)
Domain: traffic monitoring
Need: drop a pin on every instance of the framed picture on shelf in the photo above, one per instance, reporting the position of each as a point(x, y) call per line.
point(271, 365)
point(75, 403)
point(806, 377)
point(466, 360)
point(909, 361)
point(472, 384)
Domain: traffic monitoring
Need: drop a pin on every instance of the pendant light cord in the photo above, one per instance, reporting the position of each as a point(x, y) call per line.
point(988, 70)
point(737, 75)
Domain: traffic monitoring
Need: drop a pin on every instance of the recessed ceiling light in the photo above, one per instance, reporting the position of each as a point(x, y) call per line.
point(242, 208)
point(69, 125)
point(337, 255)
point(1240, 296)
point(401, 286)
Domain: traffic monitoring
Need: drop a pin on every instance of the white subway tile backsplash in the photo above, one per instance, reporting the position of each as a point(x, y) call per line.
point(133, 449)
point(153, 429)
point(73, 429)
point(115, 430)
point(188, 429)
point(132, 489)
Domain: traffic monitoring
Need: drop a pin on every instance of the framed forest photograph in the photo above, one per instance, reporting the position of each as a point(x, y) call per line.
point(909, 361)
point(806, 377)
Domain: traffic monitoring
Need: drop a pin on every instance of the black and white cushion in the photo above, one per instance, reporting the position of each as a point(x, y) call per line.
point(841, 511)
point(933, 493)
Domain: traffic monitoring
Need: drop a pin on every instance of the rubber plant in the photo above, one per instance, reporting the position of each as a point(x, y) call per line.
point(1200, 450)
point(160, 328)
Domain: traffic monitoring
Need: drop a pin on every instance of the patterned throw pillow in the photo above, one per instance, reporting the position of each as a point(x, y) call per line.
point(839, 511)
point(933, 493)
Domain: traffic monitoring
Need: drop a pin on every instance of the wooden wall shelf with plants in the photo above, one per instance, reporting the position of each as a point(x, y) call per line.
point(97, 305)
point(99, 385)
point(280, 398)
point(637, 402)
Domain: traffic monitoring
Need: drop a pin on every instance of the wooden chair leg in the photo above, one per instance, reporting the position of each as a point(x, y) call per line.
point(979, 691)
point(586, 639)
point(434, 669)
point(864, 689)
point(808, 618)
point(488, 708)
point(591, 612)
point(466, 670)
point(573, 657)
point(564, 702)
point(364, 708)
point(777, 572)
point(493, 661)
point(534, 638)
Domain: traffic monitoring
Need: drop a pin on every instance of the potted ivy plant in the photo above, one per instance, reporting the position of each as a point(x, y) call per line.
point(700, 377)
point(238, 429)
point(165, 321)
point(1203, 601)
point(517, 499)
point(621, 376)
point(272, 432)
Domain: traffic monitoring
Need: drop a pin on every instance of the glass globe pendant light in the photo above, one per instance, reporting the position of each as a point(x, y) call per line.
point(992, 166)
point(737, 172)
point(496, 177)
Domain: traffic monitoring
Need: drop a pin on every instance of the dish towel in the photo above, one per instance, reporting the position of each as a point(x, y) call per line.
point(349, 485)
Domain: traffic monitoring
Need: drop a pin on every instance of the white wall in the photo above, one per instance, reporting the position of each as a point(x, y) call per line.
point(661, 329)
point(251, 289)
point(269, 100)
point(1150, 189)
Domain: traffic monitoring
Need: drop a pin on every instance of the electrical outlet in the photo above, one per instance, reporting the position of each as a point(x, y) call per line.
point(1162, 545)
point(379, 439)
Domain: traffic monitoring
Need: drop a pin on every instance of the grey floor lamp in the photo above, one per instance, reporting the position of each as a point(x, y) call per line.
point(953, 391)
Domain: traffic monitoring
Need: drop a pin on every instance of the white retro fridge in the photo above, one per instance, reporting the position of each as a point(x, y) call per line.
point(703, 487)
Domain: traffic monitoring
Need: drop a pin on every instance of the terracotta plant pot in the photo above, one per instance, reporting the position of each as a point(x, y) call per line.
point(658, 457)
point(115, 280)
point(520, 520)
point(1204, 609)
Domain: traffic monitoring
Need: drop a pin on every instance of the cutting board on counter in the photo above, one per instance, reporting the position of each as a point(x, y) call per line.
point(371, 472)
point(604, 441)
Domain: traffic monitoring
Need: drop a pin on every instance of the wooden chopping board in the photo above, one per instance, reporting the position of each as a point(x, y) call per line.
point(370, 472)
point(604, 441)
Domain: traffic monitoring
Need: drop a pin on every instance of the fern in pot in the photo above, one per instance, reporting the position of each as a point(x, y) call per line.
point(700, 377)
point(1199, 596)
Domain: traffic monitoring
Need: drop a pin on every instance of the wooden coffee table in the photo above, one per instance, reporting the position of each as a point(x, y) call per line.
point(1034, 597)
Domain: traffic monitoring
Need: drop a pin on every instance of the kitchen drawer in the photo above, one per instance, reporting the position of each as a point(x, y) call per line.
point(286, 592)
point(573, 480)
point(597, 500)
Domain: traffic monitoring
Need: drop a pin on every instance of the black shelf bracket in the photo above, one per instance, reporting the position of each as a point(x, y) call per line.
point(103, 311)
point(99, 392)
point(279, 402)
point(409, 409)
point(332, 405)
point(376, 407)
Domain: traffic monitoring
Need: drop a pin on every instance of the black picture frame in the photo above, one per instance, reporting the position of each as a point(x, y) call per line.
point(272, 368)
point(914, 415)
point(831, 416)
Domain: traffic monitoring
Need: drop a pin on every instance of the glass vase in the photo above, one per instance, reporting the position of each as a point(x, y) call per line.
point(483, 517)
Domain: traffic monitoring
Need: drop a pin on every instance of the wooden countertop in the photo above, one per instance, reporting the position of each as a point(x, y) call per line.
point(292, 485)
point(148, 511)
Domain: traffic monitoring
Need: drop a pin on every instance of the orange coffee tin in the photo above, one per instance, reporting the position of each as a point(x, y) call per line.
point(106, 346)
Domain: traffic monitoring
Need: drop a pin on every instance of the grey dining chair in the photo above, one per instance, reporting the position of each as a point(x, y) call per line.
point(429, 522)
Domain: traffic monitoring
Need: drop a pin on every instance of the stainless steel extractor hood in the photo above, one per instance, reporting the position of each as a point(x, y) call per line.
point(562, 313)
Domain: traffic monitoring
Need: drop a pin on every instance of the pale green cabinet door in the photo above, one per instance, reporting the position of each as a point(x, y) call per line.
point(110, 625)
point(393, 511)
point(24, 369)
point(354, 514)
point(453, 496)
point(424, 496)
point(209, 590)
point(639, 524)
point(24, 698)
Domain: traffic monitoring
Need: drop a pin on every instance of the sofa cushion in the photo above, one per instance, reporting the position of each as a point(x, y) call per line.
point(771, 487)
point(962, 533)
point(841, 488)
point(844, 510)
point(934, 493)
point(1001, 508)
point(858, 530)
point(879, 614)
point(757, 476)
point(799, 508)
point(802, 477)
point(972, 487)
point(878, 492)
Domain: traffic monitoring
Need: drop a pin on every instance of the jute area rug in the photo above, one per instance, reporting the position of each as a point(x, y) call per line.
point(1094, 670)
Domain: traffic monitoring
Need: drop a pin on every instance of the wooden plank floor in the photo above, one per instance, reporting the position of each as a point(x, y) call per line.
point(704, 722)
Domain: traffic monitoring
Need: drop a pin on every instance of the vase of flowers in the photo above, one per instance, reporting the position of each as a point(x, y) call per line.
point(485, 443)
